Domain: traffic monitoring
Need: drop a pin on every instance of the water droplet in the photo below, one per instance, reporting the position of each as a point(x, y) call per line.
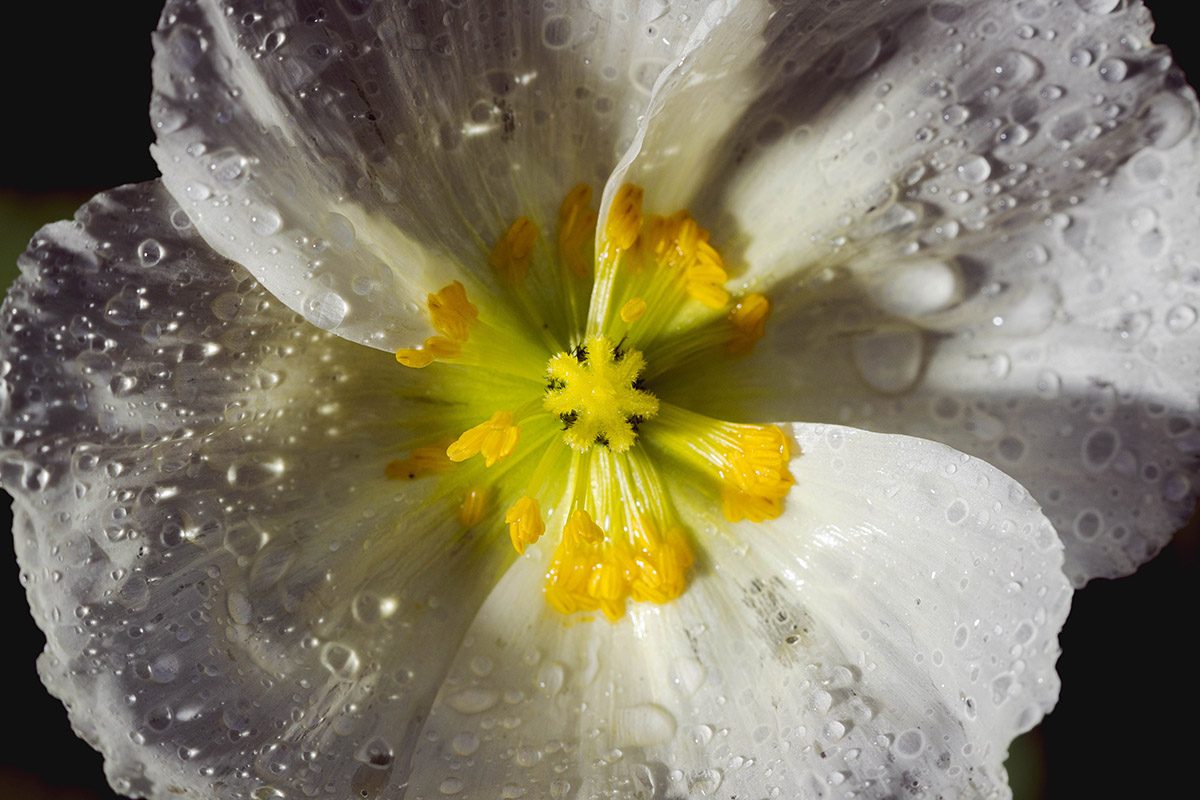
point(1014, 69)
point(474, 700)
point(1099, 447)
point(918, 287)
point(326, 310)
point(556, 32)
point(910, 744)
point(197, 191)
point(956, 114)
point(1167, 118)
point(974, 170)
point(451, 786)
point(341, 660)
point(266, 221)
point(465, 743)
point(689, 675)
point(150, 253)
point(1098, 6)
point(888, 361)
point(1012, 136)
point(254, 469)
point(1180, 318)
point(643, 725)
point(1113, 70)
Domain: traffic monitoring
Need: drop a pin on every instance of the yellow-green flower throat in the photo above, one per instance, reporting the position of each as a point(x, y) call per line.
point(573, 336)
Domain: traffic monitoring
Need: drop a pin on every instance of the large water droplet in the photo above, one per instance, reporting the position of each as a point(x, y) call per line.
point(643, 725)
point(326, 310)
point(918, 287)
point(889, 361)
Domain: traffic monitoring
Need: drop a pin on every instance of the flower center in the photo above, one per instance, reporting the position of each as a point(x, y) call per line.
point(597, 392)
point(555, 428)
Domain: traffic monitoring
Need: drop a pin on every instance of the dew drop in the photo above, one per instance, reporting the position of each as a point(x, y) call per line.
point(1180, 318)
point(644, 725)
point(974, 170)
point(888, 361)
point(474, 700)
point(1113, 70)
point(326, 310)
point(910, 744)
point(266, 221)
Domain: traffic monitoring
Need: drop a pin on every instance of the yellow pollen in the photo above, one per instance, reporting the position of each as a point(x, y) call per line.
point(495, 440)
point(514, 251)
point(451, 312)
point(420, 462)
point(633, 310)
point(681, 248)
point(597, 394)
point(592, 571)
point(474, 504)
point(624, 217)
point(755, 474)
point(749, 320)
point(436, 347)
point(525, 524)
point(576, 230)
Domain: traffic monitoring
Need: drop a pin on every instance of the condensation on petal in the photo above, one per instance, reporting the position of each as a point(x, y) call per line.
point(891, 633)
point(234, 595)
point(1027, 203)
point(359, 157)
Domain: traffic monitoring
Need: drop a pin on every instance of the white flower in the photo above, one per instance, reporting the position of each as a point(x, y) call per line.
point(259, 579)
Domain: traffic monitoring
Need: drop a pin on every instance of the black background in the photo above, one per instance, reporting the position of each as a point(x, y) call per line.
point(76, 91)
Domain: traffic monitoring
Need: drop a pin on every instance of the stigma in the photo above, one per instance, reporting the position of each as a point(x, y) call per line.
point(598, 394)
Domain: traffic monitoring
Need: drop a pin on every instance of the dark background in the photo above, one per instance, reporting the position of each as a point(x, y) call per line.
point(76, 91)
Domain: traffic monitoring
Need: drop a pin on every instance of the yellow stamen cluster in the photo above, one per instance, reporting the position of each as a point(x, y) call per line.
point(453, 316)
point(512, 254)
point(525, 524)
point(576, 230)
point(749, 321)
point(495, 440)
point(755, 473)
point(619, 537)
point(624, 218)
point(681, 247)
point(595, 392)
point(592, 572)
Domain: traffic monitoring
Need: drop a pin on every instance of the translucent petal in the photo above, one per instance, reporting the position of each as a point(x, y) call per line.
point(234, 595)
point(890, 634)
point(981, 222)
point(357, 156)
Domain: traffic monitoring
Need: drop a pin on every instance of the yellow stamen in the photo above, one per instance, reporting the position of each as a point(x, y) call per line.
point(576, 230)
point(749, 320)
point(451, 312)
point(591, 571)
point(420, 462)
point(514, 251)
point(474, 504)
point(596, 393)
point(624, 217)
point(495, 440)
point(633, 310)
point(755, 474)
point(525, 524)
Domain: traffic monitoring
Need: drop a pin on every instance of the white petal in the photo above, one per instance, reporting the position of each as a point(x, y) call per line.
point(891, 633)
point(358, 158)
point(233, 594)
point(994, 242)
